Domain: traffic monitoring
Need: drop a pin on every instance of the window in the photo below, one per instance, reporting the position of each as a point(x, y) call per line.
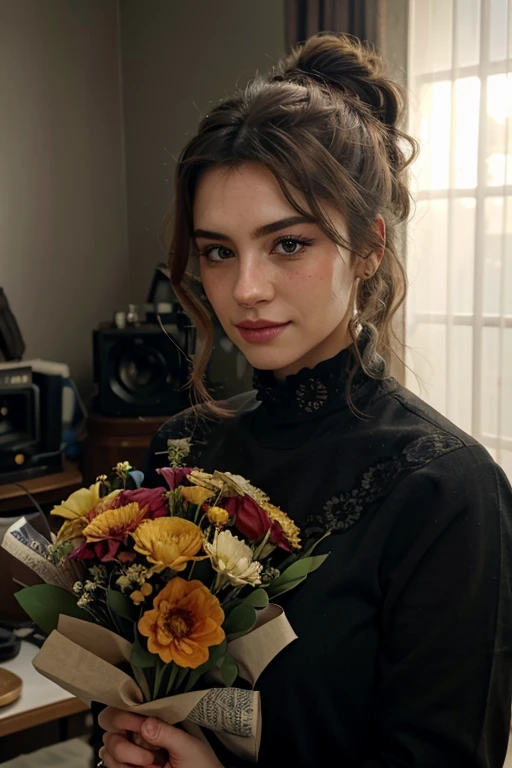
point(459, 311)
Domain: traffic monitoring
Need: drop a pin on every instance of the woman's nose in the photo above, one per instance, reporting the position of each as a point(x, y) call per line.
point(254, 283)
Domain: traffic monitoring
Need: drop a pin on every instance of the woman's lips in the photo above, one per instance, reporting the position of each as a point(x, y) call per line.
point(259, 334)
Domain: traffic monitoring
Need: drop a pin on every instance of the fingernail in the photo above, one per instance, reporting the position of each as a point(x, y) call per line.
point(151, 728)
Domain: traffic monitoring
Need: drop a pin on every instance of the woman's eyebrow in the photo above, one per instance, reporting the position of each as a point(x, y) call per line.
point(266, 229)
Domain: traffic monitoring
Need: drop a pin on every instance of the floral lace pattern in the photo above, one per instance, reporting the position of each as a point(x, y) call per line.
point(312, 395)
point(306, 394)
point(344, 509)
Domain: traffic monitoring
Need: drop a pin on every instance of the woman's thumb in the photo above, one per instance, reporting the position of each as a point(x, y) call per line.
point(162, 735)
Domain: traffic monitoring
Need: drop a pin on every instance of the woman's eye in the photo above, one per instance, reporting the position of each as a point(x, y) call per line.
point(292, 246)
point(217, 253)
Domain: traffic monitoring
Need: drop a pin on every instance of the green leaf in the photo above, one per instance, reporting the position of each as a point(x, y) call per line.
point(121, 605)
point(229, 670)
point(215, 659)
point(299, 555)
point(257, 599)
point(274, 591)
point(44, 603)
point(240, 621)
point(140, 657)
point(315, 545)
point(295, 574)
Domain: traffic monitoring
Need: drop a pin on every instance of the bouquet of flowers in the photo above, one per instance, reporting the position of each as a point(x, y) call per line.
point(157, 600)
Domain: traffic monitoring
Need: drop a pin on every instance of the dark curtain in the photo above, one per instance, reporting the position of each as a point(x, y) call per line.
point(362, 18)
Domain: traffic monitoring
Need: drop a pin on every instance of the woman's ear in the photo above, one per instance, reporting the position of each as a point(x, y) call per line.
point(367, 267)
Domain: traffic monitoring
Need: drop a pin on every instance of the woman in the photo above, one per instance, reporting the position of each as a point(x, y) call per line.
point(290, 195)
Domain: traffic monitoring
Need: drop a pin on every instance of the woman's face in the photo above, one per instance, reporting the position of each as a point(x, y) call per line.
point(282, 291)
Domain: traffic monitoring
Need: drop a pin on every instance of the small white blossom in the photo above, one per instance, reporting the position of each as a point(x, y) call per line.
point(84, 600)
point(134, 575)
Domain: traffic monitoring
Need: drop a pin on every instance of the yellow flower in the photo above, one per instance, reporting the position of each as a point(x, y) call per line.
point(140, 595)
point(71, 529)
point(196, 495)
point(185, 621)
point(84, 501)
point(290, 530)
point(168, 542)
point(114, 522)
point(218, 516)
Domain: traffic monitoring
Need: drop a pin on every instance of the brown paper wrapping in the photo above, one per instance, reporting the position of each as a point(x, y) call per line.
point(83, 659)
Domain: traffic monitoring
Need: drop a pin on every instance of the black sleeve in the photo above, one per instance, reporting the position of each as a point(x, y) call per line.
point(444, 669)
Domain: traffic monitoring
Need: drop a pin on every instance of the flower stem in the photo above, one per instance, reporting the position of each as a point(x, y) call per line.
point(261, 546)
point(219, 583)
point(181, 677)
point(159, 673)
point(174, 672)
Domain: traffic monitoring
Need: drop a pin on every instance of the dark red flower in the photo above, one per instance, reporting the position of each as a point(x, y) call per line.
point(250, 519)
point(152, 498)
point(278, 538)
point(174, 476)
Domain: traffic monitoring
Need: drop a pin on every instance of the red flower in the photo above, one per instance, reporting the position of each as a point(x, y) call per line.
point(278, 538)
point(174, 476)
point(152, 498)
point(250, 519)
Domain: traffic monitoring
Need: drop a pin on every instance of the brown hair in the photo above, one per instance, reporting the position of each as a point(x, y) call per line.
point(331, 95)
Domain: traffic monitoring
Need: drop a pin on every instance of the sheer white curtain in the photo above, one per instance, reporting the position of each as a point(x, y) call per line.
point(459, 311)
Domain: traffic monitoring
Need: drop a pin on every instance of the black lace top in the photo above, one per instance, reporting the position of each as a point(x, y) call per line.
point(405, 633)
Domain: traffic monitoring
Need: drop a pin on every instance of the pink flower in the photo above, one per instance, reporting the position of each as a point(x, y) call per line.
point(174, 476)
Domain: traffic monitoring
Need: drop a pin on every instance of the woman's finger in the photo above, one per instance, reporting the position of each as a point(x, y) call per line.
point(118, 721)
point(108, 760)
point(125, 751)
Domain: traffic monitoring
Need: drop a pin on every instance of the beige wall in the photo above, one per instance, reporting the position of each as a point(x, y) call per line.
point(64, 257)
point(178, 59)
point(63, 244)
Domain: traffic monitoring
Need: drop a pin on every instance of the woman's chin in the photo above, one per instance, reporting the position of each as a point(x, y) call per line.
point(270, 359)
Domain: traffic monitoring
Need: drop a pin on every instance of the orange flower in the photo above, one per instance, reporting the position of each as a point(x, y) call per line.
point(168, 542)
point(108, 532)
point(185, 621)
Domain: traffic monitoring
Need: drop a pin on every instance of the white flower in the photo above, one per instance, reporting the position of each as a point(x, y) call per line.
point(232, 559)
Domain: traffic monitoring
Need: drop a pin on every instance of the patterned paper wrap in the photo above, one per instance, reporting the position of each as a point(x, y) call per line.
point(84, 659)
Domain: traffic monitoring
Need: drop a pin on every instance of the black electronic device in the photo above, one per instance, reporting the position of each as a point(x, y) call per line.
point(30, 420)
point(142, 365)
point(140, 370)
point(12, 345)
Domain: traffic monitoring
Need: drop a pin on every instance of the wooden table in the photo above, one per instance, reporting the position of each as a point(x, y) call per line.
point(41, 700)
point(47, 489)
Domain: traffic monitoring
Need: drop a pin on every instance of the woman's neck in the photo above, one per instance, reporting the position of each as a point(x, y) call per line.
point(335, 343)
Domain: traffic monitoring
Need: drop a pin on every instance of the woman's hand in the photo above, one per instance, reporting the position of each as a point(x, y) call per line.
point(184, 751)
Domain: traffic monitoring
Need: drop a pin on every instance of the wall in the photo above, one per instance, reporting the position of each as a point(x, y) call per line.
point(63, 245)
point(178, 59)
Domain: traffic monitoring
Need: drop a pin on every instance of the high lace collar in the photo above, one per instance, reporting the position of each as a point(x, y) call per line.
point(312, 392)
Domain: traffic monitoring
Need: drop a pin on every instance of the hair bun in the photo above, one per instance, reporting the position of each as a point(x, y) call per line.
point(344, 63)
